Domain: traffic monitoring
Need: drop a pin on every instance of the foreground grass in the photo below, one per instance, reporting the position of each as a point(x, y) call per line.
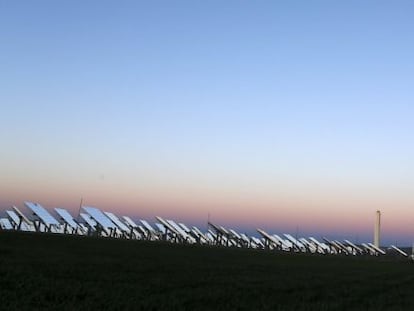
point(52, 272)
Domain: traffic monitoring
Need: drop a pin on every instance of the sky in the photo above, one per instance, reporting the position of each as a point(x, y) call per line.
point(290, 116)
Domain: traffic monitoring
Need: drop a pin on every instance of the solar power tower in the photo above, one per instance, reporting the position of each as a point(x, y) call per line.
point(377, 229)
point(105, 224)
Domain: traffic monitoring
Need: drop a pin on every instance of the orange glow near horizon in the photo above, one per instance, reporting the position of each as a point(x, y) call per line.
point(246, 202)
point(310, 213)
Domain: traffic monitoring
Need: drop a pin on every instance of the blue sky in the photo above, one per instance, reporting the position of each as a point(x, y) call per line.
point(240, 107)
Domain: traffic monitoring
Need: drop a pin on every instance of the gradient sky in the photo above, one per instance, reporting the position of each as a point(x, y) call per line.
point(286, 115)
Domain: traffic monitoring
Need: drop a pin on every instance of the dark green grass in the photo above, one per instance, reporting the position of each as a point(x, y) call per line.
point(39, 272)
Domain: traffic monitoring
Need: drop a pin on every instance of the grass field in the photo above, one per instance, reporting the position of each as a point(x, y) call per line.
point(52, 272)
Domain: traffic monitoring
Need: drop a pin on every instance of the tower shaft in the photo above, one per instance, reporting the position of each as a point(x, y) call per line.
point(377, 229)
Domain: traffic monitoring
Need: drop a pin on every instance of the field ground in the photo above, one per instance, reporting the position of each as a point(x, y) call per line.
point(53, 272)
